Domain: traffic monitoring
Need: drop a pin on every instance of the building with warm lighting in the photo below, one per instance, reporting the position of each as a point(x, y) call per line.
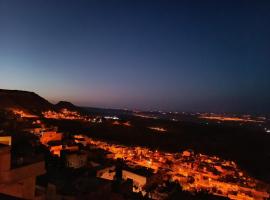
point(139, 180)
point(79, 139)
point(5, 140)
point(50, 136)
point(19, 180)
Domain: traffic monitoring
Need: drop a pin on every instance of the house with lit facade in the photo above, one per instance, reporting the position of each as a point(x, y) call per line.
point(18, 175)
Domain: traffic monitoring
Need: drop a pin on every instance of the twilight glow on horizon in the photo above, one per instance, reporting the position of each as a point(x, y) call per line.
point(171, 55)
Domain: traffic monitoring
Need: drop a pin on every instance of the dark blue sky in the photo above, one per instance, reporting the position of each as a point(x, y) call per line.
point(173, 55)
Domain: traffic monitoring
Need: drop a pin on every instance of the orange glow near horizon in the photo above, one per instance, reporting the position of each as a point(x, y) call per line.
point(228, 118)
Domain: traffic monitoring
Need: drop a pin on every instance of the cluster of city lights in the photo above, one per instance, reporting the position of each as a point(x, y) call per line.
point(230, 118)
point(23, 114)
point(195, 172)
point(159, 129)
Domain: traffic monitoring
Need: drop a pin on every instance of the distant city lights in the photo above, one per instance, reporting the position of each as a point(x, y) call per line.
point(159, 129)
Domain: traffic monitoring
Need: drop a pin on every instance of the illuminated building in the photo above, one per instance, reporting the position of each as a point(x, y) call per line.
point(20, 180)
point(139, 180)
point(50, 136)
point(79, 139)
point(5, 140)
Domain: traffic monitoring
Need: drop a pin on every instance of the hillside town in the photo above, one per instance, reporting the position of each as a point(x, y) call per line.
point(129, 172)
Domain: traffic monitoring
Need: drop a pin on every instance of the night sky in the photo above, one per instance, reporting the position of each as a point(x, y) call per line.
point(170, 55)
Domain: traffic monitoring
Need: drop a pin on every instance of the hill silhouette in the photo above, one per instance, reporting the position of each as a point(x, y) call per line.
point(30, 101)
point(65, 104)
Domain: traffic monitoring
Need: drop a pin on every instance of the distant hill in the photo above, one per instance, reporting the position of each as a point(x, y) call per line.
point(31, 102)
point(64, 104)
point(35, 104)
point(24, 100)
